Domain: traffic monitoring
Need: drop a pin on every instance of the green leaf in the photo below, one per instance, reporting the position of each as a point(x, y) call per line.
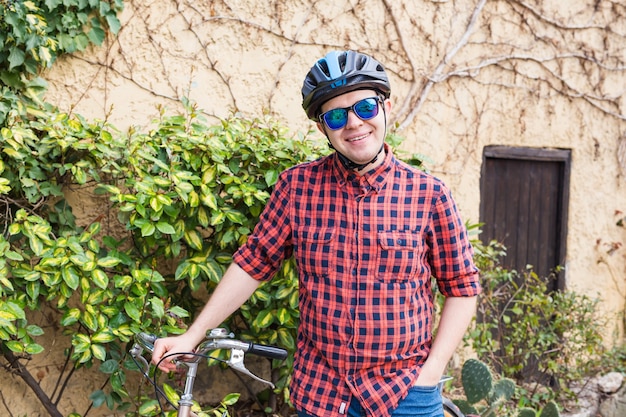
point(100, 278)
point(36, 245)
point(209, 200)
point(89, 320)
point(32, 289)
point(16, 57)
point(165, 228)
point(11, 311)
point(34, 330)
point(81, 342)
point(171, 393)
point(70, 277)
point(114, 23)
point(108, 262)
point(70, 317)
point(33, 348)
point(15, 346)
point(109, 366)
point(96, 35)
point(271, 176)
point(218, 218)
point(98, 398)
point(178, 312)
point(194, 239)
point(158, 309)
point(286, 339)
point(283, 292)
point(103, 336)
point(283, 315)
point(99, 352)
point(149, 408)
point(132, 311)
point(147, 229)
point(264, 319)
point(231, 399)
point(236, 216)
point(51, 263)
point(14, 256)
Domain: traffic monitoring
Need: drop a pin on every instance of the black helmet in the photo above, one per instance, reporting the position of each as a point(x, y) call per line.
point(340, 72)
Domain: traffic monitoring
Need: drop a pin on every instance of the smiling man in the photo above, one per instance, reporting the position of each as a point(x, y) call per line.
point(368, 233)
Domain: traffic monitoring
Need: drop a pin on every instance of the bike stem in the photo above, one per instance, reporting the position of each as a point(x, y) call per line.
point(186, 400)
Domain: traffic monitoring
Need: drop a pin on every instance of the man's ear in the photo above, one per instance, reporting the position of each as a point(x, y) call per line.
point(320, 127)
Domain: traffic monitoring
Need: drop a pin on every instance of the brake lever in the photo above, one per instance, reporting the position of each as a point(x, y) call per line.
point(137, 353)
point(236, 362)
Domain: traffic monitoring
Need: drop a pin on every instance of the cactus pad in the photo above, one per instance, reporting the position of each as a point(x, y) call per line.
point(502, 391)
point(526, 412)
point(550, 410)
point(477, 380)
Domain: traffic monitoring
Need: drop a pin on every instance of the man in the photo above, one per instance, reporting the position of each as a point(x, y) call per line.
point(368, 232)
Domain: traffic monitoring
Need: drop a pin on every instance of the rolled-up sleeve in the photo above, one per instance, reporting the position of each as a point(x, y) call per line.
point(451, 252)
point(270, 243)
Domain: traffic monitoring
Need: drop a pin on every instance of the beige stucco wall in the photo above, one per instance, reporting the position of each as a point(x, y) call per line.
point(534, 74)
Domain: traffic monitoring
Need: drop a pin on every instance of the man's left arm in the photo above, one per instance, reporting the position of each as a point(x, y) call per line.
point(456, 316)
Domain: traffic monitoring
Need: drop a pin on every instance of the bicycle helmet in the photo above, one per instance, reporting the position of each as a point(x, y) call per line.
point(340, 72)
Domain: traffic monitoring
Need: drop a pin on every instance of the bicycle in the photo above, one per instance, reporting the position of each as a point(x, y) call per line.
point(220, 338)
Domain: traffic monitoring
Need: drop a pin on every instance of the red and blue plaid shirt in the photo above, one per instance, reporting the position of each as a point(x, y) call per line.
point(366, 248)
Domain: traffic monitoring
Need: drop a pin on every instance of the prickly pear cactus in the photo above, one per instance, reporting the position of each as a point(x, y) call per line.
point(477, 380)
point(550, 410)
point(502, 391)
point(526, 412)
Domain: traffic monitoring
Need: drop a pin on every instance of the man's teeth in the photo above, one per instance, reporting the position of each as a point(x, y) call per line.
point(357, 138)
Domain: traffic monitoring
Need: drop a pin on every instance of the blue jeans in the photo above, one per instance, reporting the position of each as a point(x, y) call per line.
point(419, 402)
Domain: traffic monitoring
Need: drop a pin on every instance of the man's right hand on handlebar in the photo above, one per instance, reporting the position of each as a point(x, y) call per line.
point(175, 346)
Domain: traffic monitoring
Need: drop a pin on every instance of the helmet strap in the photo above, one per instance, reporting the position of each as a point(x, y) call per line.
point(350, 164)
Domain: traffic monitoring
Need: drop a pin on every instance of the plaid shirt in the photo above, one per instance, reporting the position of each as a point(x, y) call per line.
point(366, 248)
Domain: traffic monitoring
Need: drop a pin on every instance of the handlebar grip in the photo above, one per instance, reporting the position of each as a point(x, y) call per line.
point(271, 352)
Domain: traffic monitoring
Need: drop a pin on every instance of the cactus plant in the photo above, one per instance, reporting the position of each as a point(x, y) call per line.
point(486, 398)
point(526, 412)
point(502, 391)
point(477, 380)
point(550, 410)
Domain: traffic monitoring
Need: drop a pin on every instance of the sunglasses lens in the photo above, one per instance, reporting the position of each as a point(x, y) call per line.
point(336, 118)
point(365, 109)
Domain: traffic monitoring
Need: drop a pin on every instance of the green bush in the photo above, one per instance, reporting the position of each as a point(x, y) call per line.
point(185, 191)
point(543, 340)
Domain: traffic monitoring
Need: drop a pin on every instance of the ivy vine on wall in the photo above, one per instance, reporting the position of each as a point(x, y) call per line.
point(34, 33)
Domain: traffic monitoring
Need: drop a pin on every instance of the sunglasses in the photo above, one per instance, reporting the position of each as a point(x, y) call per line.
point(365, 109)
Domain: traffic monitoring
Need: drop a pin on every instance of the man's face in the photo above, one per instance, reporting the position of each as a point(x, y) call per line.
point(359, 140)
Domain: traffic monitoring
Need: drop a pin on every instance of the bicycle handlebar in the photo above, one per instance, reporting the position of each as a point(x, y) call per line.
point(220, 341)
point(215, 339)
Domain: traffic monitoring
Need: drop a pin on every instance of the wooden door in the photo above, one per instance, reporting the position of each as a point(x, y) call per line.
point(524, 198)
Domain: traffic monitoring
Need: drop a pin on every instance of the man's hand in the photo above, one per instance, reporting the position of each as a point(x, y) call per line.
point(174, 346)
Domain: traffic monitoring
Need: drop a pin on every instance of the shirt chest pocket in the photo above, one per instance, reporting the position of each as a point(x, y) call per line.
point(400, 255)
point(315, 250)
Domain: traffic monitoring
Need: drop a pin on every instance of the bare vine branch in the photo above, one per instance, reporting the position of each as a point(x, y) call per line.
point(471, 26)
